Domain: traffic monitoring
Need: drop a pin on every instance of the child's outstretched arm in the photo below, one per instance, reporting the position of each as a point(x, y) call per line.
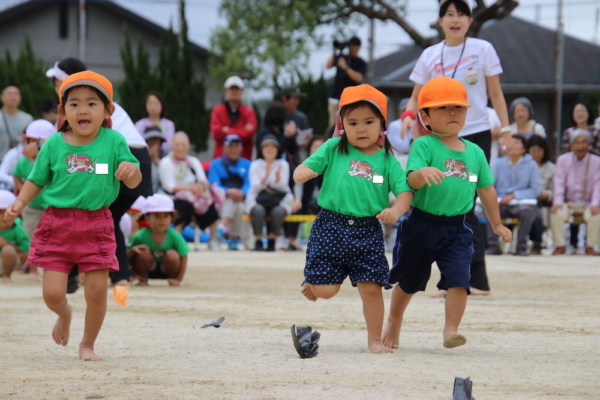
point(400, 207)
point(489, 201)
point(424, 176)
point(129, 173)
point(302, 174)
point(28, 192)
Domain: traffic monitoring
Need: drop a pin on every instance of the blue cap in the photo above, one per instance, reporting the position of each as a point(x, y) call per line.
point(232, 138)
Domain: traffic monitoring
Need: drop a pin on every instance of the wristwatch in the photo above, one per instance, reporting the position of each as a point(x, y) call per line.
point(505, 129)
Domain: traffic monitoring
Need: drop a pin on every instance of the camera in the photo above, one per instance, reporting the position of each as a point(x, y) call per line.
point(337, 45)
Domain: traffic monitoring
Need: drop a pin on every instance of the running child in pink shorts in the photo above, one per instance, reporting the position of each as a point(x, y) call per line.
point(79, 169)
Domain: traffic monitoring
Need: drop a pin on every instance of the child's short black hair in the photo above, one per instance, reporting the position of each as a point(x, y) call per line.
point(542, 143)
point(342, 146)
point(65, 126)
point(460, 6)
point(522, 139)
point(47, 106)
point(275, 115)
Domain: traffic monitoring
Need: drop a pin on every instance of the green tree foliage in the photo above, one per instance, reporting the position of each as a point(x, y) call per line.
point(315, 103)
point(174, 78)
point(29, 74)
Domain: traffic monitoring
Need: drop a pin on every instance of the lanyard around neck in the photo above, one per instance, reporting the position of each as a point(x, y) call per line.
point(459, 57)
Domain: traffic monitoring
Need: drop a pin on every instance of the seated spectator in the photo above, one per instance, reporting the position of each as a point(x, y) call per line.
point(14, 242)
point(233, 117)
point(154, 112)
point(154, 139)
point(522, 111)
point(231, 173)
point(400, 146)
point(516, 179)
point(577, 193)
point(158, 252)
point(269, 193)
point(582, 118)
point(183, 179)
point(537, 147)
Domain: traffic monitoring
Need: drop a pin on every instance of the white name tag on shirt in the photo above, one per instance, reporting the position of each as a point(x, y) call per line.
point(102, 169)
point(472, 178)
point(378, 179)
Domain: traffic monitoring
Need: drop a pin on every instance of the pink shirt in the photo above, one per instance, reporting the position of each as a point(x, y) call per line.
point(569, 178)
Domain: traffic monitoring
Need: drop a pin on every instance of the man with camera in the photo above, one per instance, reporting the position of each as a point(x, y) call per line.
point(351, 70)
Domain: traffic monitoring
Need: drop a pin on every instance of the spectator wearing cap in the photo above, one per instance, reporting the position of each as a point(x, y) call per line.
point(350, 71)
point(269, 193)
point(37, 132)
point(158, 252)
point(12, 120)
point(231, 173)
point(522, 113)
point(582, 118)
point(400, 146)
point(518, 184)
point(184, 180)
point(155, 139)
point(233, 117)
point(154, 116)
point(577, 192)
point(14, 242)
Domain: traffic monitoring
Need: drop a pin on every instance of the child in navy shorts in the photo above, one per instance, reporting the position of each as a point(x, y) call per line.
point(80, 169)
point(445, 171)
point(347, 237)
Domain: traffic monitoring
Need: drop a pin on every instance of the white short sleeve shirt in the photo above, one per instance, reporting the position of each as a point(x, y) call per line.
point(479, 60)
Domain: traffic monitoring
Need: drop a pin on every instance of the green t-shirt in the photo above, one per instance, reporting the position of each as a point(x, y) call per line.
point(466, 172)
point(17, 237)
point(22, 171)
point(356, 184)
point(81, 177)
point(173, 241)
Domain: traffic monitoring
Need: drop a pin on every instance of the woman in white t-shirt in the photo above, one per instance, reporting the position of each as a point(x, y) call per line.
point(473, 62)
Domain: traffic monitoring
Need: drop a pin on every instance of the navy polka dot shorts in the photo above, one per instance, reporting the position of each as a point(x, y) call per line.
point(341, 245)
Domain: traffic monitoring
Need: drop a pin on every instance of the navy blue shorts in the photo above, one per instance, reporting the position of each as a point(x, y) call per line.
point(423, 239)
point(157, 272)
point(341, 245)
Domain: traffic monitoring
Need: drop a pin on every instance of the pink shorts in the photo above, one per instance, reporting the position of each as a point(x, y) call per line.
point(67, 236)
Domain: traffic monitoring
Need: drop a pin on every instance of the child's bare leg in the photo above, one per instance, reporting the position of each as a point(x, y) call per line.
point(171, 263)
point(9, 261)
point(373, 309)
point(391, 333)
point(314, 292)
point(95, 298)
point(55, 296)
point(456, 302)
point(141, 263)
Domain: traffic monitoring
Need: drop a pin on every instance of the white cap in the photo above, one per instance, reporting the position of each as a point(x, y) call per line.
point(40, 129)
point(6, 199)
point(138, 205)
point(234, 81)
point(56, 72)
point(159, 203)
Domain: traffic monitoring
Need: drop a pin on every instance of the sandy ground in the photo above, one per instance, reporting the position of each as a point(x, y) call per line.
point(536, 337)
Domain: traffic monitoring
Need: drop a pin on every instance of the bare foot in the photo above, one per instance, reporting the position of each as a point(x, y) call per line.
point(62, 328)
point(174, 282)
point(307, 292)
point(479, 292)
point(453, 339)
point(87, 354)
point(378, 347)
point(439, 294)
point(7, 279)
point(33, 277)
point(391, 334)
point(142, 282)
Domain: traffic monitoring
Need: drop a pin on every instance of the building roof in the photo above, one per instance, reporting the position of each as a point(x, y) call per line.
point(23, 8)
point(527, 53)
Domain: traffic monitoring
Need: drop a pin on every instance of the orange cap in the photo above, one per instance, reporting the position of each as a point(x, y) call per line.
point(87, 78)
point(443, 91)
point(353, 94)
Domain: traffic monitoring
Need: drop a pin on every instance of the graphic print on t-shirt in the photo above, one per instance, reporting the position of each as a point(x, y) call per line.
point(361, 169)
point(456, 168)
point(80, 163)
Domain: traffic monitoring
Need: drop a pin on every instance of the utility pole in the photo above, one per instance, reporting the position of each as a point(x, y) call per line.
point(371, 71)
point(82, 30)
point(560, 49)
point(596, 38)
point(538, 13)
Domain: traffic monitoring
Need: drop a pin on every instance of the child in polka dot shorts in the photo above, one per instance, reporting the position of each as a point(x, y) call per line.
point(347, 237)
